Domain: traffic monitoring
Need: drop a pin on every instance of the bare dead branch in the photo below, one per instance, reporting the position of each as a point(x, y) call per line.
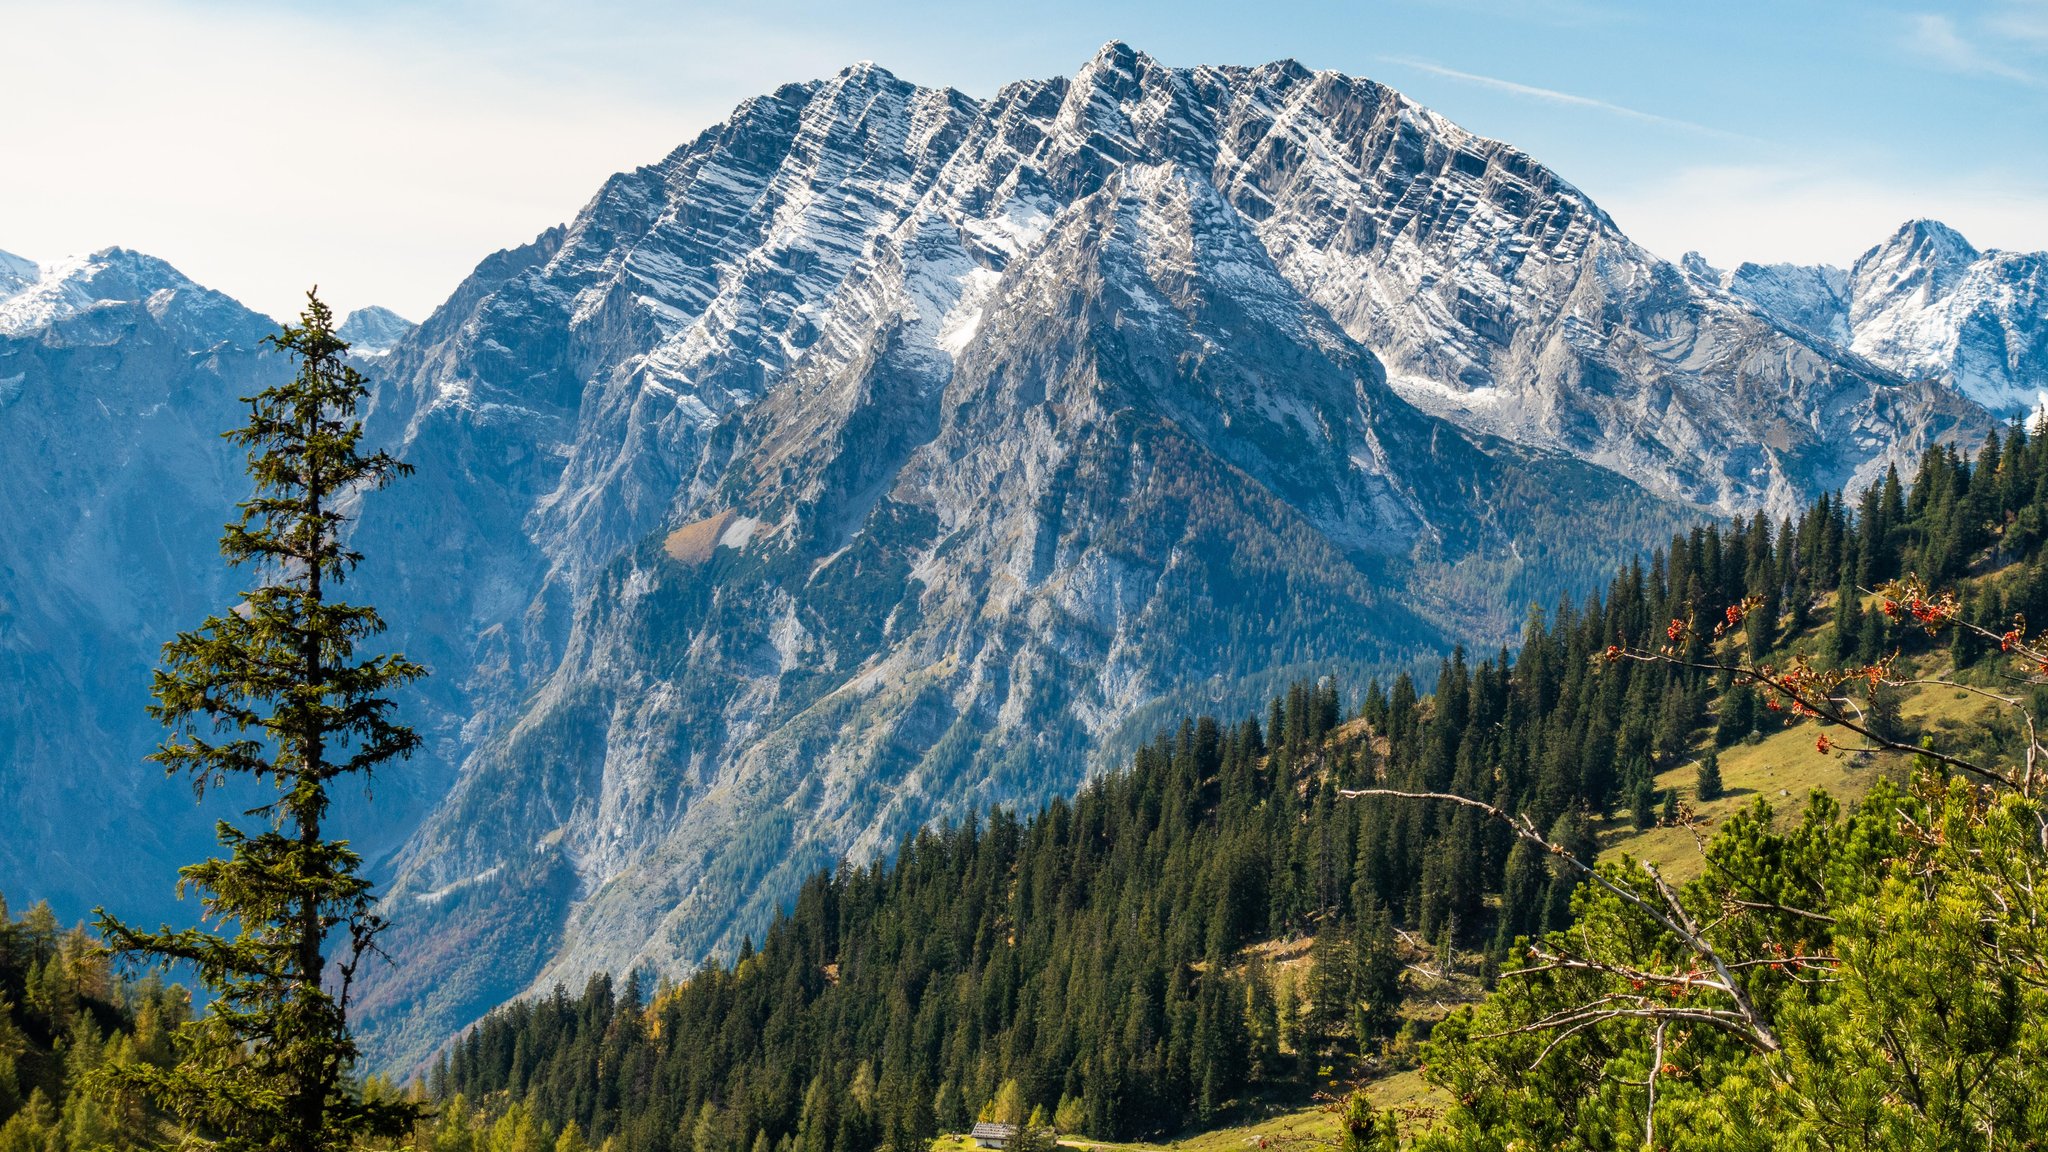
point(1650, 1107)
point(1822, 706)
point(1760, 1033)
point(1769, 906)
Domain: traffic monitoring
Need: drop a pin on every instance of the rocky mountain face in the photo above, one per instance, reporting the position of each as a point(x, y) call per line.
point(117, 376)
point(16, 273)
point(1925, 304)
point(883, 453)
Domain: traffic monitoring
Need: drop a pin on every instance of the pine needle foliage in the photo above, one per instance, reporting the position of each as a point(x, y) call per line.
point(275, 692)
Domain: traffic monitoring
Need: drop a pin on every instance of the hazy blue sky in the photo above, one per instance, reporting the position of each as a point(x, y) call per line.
point(383, 148)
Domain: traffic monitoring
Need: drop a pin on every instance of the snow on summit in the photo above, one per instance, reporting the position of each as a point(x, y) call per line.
point(373, 331)
point(118, 277)
point(16, 273)
point(1925, 303)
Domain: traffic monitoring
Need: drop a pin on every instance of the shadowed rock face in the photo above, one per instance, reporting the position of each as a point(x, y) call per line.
point(882, 454)
point(117, 376)
point(115, 489)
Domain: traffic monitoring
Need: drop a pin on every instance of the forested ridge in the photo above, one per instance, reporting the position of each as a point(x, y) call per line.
point(1090, 961)
point(1853, 973)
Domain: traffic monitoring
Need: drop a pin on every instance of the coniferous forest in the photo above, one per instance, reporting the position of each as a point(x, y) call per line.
point(65, 1012)
point(1104, 963)
point(1213, 929)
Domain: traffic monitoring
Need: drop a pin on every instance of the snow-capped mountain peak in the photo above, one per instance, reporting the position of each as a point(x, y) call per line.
point(78, 289)
point(1925, 303)
point(373, 331)
point(1923, 261)
point(1812, 298)
point(998, 389)
point(16, 273)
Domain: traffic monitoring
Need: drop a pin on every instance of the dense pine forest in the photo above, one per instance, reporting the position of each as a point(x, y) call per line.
point(1098, 963)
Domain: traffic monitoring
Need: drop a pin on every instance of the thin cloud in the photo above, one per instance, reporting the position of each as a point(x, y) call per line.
point(1937, 40)
point(1553, 96)
point(2022, 20)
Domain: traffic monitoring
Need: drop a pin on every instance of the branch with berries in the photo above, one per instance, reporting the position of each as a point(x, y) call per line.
point(1799, 689)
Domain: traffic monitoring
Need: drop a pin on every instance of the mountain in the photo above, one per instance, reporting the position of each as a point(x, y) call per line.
point(1811, 298)
point(1128, 959)
point(373, 331)
point(883, 453)
point(90, 296)
point(117, 376)
point(878, 455)
point(16, 273)
point(1925, 304)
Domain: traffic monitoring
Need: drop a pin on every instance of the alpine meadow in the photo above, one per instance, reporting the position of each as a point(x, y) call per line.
point(1166, 607)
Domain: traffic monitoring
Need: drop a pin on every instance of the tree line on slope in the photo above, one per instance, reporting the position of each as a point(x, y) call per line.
point(1091, 962)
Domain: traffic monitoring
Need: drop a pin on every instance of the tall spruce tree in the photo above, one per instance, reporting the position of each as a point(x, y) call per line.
point(274, 691)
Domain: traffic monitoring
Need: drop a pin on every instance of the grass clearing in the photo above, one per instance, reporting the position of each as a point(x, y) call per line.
point(1298, 1130)
point(1783, 768)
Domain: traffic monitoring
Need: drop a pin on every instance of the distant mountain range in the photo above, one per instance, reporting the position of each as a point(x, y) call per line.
point(1924, 304)
point(373, 331)
point(117, 376)
point(884, 453)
